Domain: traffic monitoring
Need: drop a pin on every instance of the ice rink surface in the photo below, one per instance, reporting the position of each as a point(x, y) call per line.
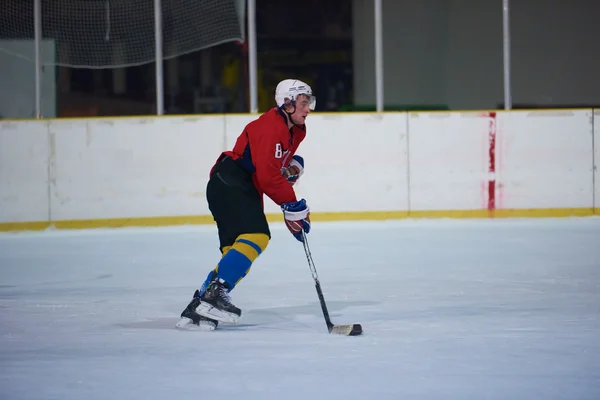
point(451, 309)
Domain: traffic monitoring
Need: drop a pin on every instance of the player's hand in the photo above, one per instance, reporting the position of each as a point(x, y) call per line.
point(297, 218)
point(295, 170)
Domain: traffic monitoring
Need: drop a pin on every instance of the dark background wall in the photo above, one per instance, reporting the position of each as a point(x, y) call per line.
point(449, 52)
point(437, 54)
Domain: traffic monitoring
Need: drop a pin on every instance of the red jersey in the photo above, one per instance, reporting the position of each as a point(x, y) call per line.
point(265, 147)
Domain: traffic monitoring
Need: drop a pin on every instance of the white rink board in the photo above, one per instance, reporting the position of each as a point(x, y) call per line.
point(133, 167)
point(234, 126)
point(596, 159)
point(448, 157)
point(545, 160)
point(355, 162)
point(24, 153)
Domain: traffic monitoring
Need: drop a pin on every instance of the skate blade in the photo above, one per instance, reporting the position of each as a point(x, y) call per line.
point(208, 311)
point(187, 324)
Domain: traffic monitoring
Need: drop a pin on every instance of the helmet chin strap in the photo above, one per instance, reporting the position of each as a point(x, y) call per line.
point(289, 115)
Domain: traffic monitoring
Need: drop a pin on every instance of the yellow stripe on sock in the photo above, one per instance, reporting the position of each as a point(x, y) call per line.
point(224, 250)
point(249, 245)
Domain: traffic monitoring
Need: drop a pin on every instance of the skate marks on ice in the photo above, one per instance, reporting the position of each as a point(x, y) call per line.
point(169, 324)
point(291, 318)
point(50, 284)
point(310, 316)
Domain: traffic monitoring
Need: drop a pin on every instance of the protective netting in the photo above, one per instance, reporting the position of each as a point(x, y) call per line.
point(119, 33)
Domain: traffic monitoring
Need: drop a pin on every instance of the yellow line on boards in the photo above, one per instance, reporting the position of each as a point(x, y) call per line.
point(317, 217)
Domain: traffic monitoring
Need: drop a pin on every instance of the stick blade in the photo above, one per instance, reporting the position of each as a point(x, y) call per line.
point(347, 330)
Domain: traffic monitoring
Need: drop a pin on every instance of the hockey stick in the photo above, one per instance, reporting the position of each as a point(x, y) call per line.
point(348, 330)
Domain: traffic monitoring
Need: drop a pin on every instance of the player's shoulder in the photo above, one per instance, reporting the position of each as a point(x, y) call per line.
point(274, 116)
point(269, 122)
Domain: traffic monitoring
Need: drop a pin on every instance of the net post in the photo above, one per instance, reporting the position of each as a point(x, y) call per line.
point(158, 40)
point(378, 55)
point(506, 49)
point(37, 27)
point(252, 56)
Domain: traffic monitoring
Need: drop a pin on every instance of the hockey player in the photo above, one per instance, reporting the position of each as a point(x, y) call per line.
point(262, 162)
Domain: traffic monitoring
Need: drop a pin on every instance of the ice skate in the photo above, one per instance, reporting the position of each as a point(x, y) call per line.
point(191, 320)
point(215, 303)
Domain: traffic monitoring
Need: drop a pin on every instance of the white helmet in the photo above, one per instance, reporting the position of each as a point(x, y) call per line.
point(290, 89)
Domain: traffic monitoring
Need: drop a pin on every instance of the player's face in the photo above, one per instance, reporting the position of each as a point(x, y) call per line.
point(302, 110)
